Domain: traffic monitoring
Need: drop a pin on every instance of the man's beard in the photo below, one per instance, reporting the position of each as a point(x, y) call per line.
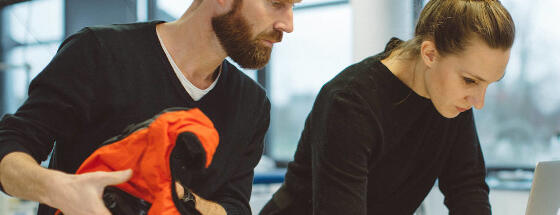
point(235, 36)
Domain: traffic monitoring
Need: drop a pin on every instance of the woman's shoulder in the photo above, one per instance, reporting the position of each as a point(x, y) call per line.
point(361, 77)
point(365, 74)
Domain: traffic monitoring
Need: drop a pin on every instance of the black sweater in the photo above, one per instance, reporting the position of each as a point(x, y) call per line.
point(372, 146)
point(105, 78)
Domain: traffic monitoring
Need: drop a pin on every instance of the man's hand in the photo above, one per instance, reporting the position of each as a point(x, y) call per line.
point(83, 194)
point(205, 207)
point(179, 189)
point(23, 178)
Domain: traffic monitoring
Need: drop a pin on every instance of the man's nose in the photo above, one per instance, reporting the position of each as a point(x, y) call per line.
point(286, 22)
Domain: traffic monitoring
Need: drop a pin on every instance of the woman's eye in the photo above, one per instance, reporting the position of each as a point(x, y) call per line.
point(469, 80)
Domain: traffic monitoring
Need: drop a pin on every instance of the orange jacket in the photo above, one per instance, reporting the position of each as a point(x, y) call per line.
point(147, 151)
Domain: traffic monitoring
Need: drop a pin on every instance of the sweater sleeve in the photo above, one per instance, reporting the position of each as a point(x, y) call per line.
point(234, 196)
point(58, 101)
point(342, 132)
point(463, 178)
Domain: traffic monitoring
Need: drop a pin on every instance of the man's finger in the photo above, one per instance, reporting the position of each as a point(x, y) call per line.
point(179, 189)
point(117, 177)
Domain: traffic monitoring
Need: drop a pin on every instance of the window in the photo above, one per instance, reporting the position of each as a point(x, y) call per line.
point(33, 32)
point(300, 65)
point(520, 124)
point(174, 8)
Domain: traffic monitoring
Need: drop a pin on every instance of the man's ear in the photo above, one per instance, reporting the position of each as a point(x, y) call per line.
point(222, 3)
point(429, 53)
point(222, 6)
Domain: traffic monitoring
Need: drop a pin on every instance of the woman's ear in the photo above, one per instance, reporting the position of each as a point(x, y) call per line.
point(429, 53)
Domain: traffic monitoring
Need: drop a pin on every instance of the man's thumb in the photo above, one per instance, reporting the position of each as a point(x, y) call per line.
point(118, 177)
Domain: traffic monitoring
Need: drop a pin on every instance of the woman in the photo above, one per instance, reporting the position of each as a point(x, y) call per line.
point(385, 129)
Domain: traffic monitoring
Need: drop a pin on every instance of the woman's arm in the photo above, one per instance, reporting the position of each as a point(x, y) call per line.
point(462, 180)
point(342, 132)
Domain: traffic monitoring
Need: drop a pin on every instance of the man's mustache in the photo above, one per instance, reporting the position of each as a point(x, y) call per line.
point(273, 36)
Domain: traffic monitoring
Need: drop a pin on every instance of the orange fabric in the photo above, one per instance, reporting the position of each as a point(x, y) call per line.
point(147, 152)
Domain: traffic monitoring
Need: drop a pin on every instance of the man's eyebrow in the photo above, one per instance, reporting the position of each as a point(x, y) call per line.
point(291, 1)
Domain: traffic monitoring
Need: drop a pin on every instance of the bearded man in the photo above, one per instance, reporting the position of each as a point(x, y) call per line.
point(107, 77)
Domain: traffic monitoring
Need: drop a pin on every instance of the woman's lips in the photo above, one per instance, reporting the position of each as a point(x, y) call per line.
point(462, 109)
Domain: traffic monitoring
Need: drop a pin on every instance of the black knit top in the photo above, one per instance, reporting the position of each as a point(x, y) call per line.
point(105, 78)
point(372, 146)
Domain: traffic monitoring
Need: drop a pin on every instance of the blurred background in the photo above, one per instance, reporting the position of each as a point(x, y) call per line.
point(519, 125)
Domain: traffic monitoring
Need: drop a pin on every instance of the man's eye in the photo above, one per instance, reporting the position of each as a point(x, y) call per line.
point(278, 4)
point(469, 80)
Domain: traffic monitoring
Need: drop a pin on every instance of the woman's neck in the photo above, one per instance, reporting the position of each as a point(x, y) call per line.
point(410, 70)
